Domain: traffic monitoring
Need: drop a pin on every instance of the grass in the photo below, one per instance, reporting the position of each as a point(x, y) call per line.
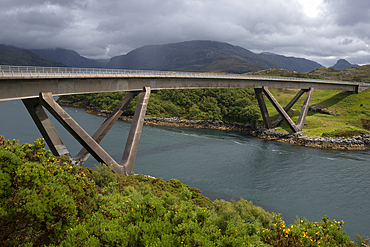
point(352, 111)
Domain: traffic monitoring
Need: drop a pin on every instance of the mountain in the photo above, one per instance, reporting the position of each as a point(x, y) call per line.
point(290, 63)
point(343, 64)
point(68, 57)
point(199, 56)
point(203, 56)
point(10, 55)
point(190, 56)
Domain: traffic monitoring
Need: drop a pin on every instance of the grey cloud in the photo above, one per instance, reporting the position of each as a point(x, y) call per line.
point(112, 27)
point(350, 12)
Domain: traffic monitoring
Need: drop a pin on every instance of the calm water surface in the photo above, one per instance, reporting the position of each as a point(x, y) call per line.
point(292, 180)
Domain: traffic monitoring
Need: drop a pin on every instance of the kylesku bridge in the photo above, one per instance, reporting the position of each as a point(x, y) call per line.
point(36, 86)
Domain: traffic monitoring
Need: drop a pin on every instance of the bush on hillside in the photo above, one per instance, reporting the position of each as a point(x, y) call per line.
point(40, 196)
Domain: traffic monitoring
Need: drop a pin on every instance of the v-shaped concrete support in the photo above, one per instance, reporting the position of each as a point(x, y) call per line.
point(90, 144)
point(283, 111)
point(45, 126)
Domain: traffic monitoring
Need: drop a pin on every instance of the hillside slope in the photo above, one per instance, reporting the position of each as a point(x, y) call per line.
point(68, 57)
point(10, 55)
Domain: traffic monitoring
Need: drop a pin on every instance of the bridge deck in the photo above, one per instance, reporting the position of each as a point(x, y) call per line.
point(27, 82)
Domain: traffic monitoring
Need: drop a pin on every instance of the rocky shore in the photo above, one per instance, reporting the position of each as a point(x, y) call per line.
point(360, 142)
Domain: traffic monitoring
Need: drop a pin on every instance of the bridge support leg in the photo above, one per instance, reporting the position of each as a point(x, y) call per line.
point(129, 155)
point(90, 144)
point(82, 156)
point(45, 126)
point(263, 108)
point(283, 111)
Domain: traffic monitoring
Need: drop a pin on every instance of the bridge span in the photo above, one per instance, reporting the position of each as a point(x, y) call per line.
point(36, 86)
point(18, 82)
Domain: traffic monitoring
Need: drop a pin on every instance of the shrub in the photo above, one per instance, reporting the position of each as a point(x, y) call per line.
point(41, 196)
point(304, 233)
point(103, 175)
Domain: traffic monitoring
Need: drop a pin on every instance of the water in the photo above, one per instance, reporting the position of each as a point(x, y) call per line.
point(292, 180)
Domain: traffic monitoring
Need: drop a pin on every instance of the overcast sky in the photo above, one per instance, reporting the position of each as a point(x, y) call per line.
point(320, 30)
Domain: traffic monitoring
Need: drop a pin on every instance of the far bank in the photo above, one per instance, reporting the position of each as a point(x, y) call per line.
point(358, 142)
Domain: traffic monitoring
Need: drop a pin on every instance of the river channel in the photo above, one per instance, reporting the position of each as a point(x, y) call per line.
point(283, 178)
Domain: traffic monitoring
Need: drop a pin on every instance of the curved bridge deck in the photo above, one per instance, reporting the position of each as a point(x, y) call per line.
point(24, 82)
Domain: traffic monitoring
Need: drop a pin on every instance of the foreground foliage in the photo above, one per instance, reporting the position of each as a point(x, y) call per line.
point(46, 200)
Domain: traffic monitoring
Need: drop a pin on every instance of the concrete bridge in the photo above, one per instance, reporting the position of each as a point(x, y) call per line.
point(36, 86)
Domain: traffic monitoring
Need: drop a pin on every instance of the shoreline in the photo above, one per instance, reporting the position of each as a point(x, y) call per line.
point(361, 142)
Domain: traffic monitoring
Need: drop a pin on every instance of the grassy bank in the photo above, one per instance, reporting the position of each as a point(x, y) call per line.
point(47, 201)
point(350, 113)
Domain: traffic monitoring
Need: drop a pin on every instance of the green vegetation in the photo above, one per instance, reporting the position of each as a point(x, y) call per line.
point(238, 105)
point(47, 201)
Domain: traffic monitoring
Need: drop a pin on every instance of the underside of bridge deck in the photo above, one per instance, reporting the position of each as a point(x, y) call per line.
point(90, 144)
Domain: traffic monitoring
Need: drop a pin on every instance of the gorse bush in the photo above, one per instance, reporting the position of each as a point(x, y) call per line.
point(103, 175)
point(40, 196)
point(47, 201)
point(304, 233)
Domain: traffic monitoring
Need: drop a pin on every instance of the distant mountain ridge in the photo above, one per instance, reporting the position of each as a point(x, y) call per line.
point(290, 63)
point(343, 64)
point(69, 58)
point(206, 56)
point(198, 56)
point(11, 55)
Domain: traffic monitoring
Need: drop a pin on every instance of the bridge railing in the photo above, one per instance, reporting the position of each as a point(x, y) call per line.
point(33, 71)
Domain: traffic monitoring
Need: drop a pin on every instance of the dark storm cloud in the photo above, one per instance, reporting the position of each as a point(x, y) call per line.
point(334, 29)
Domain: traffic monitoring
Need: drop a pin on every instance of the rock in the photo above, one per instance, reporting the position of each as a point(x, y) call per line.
point(322, 110)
